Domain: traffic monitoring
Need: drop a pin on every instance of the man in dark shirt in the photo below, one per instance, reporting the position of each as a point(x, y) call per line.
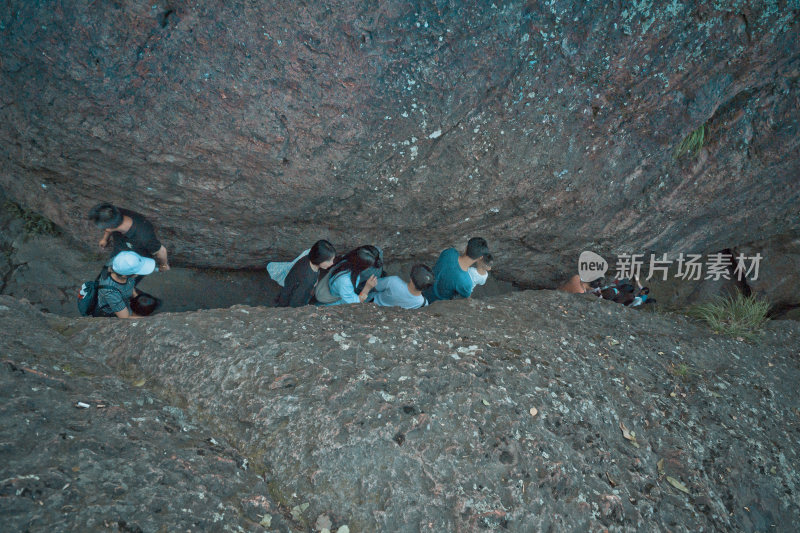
point(129, 232)
point(298, 288)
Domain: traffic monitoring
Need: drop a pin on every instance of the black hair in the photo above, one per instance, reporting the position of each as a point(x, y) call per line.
point(358, 260)
point(609, 293)
point(477, 248)
point(105, 216)
point(598, 283)
point(422, 277)
point(487, 259)
point(321, 251)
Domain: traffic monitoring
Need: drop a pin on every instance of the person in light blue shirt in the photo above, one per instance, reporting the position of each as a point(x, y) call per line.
point(392, 291)
point(346, 276)
point(452, 271)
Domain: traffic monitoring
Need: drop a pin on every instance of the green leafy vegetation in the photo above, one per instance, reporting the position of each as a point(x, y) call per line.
point(683, 371)
point(737, 316)
point(33, 223)
point(693, 142)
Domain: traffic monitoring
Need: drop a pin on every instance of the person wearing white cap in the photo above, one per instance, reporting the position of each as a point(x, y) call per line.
point(116, 286)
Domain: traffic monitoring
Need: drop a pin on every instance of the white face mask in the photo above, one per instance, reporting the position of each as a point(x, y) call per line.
point(478, 278)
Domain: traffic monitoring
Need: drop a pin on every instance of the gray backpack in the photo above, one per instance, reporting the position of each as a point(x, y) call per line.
point(322, 292)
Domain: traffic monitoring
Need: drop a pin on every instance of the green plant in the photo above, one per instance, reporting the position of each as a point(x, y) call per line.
point(737, 316)
point(692, 143)
point(33, 223)
point(681, 371)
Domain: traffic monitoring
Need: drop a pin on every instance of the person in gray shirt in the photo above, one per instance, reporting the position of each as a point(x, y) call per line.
point(392, 291)
point(116, 286)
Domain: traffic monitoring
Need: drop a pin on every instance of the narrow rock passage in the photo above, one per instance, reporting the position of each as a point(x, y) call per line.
point(47, 269)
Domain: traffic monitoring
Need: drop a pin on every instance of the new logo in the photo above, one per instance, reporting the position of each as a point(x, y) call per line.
point(591, 266)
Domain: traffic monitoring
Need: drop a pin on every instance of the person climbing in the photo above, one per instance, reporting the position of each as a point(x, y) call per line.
point(642, 297)
point(116, 286)
point(479, 272)
point(298, 286)
point(628, 292)
point(452, 271)
point(392, 291)
point(351, 278)
point(128, 231)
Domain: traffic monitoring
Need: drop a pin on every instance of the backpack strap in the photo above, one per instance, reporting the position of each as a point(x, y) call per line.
point(112, 287)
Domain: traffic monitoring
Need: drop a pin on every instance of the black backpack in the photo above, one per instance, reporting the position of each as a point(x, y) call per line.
point(87, 297)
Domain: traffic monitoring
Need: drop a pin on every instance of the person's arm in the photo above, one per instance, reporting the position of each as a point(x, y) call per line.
point(127, 314)
point(342, 286)
point(161, 259)
point(382, 284)
point(116, 303)
point(464, 290)
point(106, 234)
point(371, 282)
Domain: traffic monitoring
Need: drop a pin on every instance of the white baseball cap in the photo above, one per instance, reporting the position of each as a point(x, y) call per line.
point(132, 264)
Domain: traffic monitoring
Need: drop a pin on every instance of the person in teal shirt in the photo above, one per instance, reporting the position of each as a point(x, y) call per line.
point(452, 271)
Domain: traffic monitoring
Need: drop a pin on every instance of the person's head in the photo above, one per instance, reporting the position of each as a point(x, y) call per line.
point(358, 260)
point(486, 261)
point(598, 283)
point(105, 216)
point(422, 277)
point(132, 264)
point(592, 286)
point(608, 293)
point(322, 254)
point(477, 248)
point(366, 257)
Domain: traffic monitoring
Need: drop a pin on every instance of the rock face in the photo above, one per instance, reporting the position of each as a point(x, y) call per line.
point(385, 420)
point(247, 130)
point(82, 450)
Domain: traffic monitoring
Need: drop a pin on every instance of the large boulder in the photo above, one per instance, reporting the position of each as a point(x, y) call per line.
point(525, 412)
point(247, 129)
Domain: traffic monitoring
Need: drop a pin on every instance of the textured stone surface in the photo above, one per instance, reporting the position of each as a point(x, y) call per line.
point(126, 462)
point(405, 421)
point(246, 130)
